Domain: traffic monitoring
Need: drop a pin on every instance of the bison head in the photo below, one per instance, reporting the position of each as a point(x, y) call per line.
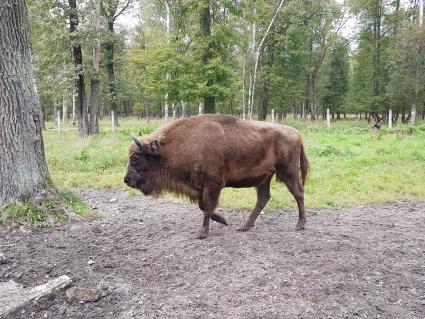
point(144, 159)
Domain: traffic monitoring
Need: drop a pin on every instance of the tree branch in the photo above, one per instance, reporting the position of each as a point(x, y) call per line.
point(122, 10)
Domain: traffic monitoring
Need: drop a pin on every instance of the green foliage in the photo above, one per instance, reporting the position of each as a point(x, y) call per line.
point(304, 61)
point(26, 214)
point(338, 78)
point(44, 213)
point(76, 204)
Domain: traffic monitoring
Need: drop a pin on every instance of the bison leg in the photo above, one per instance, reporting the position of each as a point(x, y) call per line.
point(294, 185)
point(207, 203)
point(263, 196)
point(219, 219)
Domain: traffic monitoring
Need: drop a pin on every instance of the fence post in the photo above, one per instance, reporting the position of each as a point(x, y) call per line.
point(328, 119)
point(272, 115)
point(59, 121)
point(113, 121)
point(390, 119)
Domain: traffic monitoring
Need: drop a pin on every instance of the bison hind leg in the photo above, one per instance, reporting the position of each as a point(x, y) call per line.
point(290, 176)
point(219, 219)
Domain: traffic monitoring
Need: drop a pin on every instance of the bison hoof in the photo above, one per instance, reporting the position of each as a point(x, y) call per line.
point(300, 227)
point(200, 235)
point(244, 228)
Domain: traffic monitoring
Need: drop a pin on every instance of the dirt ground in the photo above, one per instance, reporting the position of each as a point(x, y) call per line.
point(359, 262)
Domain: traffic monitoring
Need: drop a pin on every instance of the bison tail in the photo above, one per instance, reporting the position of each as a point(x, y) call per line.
point(305, 167)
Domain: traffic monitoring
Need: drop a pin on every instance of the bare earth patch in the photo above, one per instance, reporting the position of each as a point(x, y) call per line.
point(359, 262)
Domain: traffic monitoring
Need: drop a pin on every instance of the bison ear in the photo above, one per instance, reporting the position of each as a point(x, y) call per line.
point(153, 148)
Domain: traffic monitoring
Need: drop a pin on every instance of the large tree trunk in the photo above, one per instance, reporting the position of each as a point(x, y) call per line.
point(23, 169)
point(80, 87)
point(205, 22)
point(95, 83)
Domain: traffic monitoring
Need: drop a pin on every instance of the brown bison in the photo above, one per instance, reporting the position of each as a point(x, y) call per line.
point(198, 156)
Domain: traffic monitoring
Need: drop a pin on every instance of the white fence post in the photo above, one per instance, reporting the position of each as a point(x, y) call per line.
point(272, 115)
point(59, 121)
point(390, 119)
point(113, 121)
point(328, 119)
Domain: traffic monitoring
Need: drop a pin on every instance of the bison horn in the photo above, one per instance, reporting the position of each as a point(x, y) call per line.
point(137, 141)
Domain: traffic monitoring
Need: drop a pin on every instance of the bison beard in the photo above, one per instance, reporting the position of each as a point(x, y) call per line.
point(198, 156)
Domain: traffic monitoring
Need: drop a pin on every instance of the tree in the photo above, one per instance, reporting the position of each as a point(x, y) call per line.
point(111, 11)
point(205, 27)
point(53, 65)
point(338, 78)
point(23, 170)
point(406, 66)
point(80, 86)
point(371, 58)
point(94, 104)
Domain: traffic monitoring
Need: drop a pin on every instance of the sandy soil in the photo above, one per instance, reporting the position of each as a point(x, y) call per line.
point(359, 262)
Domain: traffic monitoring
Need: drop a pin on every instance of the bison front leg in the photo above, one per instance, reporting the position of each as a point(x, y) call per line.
point(207, 203)
point(263, 196)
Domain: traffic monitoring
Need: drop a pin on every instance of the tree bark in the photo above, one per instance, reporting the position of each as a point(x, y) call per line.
point(94, 104)
point(377, 48)
point(80, 87)
point(205, 24)
point(64, 110)
point(23, 168)
point(264, 102)
point(111, 72)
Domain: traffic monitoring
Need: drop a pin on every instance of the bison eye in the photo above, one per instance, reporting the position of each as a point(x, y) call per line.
point(134, 161)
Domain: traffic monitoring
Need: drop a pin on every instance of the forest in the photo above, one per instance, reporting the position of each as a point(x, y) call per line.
point(108, 181)
point(176, 58)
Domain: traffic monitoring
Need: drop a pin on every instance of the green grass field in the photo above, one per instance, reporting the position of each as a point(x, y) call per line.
point(349, 164)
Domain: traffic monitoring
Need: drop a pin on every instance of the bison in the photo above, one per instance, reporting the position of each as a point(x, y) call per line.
point(198, 156)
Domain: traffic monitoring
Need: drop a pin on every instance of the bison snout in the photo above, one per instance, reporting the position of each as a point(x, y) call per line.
point(129, 181)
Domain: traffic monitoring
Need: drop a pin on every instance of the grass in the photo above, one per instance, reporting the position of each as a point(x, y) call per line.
point(76, 204)
point(46, 212)
point(27, 214)
point(349, 163)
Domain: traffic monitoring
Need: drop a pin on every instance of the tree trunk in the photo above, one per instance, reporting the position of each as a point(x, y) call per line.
point(64, 110)
point(80, 87)
point(183, 108)
point(73, 108)
point(23, 168)
point(313, 98)
point(55, 113)
point(205, 23)
point(413, 111)
point(377, 49)
point(111, 73)
point(94, 104)
point(264, 101)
